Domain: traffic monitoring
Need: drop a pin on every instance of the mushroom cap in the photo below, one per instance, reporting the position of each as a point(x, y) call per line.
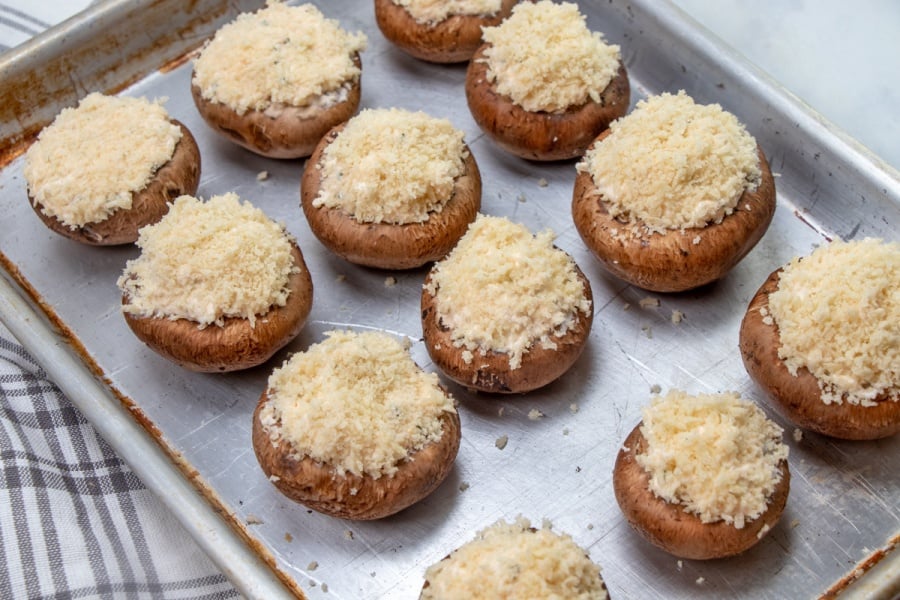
point(492, 588)
point(391, 245)
point(799, 398)
point(675, 530)
point(358, 497)
point(236, 344)
point(671, 261)
point(281, 131)
point(453, 40)
point(490, 372)
point(179, 176)
point(542, 136)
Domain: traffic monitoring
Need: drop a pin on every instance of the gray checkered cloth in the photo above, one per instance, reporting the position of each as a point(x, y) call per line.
point(75, 522)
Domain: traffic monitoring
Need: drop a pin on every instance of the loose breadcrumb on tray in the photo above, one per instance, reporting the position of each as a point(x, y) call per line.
point(649, 302)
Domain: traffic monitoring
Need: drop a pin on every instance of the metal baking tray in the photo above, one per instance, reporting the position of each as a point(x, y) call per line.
point(188, 435)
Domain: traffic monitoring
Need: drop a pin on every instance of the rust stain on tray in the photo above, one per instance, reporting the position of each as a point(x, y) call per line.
point(861, 569)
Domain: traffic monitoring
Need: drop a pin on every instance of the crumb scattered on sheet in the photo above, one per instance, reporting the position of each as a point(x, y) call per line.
point(566, 431)
point(798, 434)
point(312, 566)
point(254, 520)
point(500, 411)
point(262, 175)
point(573, 408)
point(464, 486)
point(626, 306)
point(348, 534)
point(535, 415)
point(390, 281)
point(324, 588)
point(522, 198)
point(647, 331)
point(677, 317)
point(649, 302)
point(680, 564)
point(590, 526)
point(655, 388)
point(501, 441)
point(542, 182)
point(700, 580)
point(288, 537)
point(341, 277)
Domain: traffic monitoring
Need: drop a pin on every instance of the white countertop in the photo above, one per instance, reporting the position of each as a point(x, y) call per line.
point(841, 58)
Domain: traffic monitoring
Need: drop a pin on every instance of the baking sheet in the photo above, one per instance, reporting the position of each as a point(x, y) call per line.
point(843, 507)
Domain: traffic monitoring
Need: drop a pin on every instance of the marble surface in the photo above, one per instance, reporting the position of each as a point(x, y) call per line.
point(841, 58)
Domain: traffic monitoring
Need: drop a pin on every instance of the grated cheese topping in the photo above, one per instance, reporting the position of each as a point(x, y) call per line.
point(503, 289)
point(89, 161)
point(287, 55)
point(391, 166)
point(356, 402)
point(715, 454)
point(512, 560)
point(544, 58)
point(431, 12)
point(205, 261)
point(838, 315)
point(673, 164)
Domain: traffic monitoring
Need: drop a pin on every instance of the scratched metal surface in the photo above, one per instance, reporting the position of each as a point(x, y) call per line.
point(844, 496)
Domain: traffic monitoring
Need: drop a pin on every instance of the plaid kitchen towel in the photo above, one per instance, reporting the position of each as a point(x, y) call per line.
point(75, 522)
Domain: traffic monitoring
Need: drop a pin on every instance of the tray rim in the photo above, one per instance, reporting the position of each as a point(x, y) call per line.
point(35, 325)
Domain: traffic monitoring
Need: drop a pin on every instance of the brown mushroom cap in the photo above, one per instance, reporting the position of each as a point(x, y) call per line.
point(543, 136)
point(449, 557)
point(491, 372)
point(179, 176)
point(236, 344)
point(671, 261)
point(390, 245)
point(281, 131)
point(675, 530)
point(799, 398)
point(453, 40)
point(359, 497)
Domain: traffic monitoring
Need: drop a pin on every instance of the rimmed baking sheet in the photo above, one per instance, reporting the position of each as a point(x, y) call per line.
point(843, 506)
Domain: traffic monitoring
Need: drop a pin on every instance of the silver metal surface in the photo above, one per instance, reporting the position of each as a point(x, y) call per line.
point(844, 496)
